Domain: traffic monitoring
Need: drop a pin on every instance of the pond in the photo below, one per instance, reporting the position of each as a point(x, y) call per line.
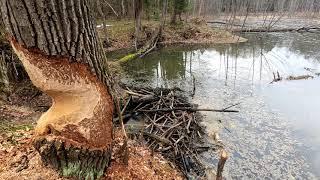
point(276, 134)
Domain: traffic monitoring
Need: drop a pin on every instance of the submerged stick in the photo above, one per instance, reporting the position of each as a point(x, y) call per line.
point(222, 161)
point(186, 109)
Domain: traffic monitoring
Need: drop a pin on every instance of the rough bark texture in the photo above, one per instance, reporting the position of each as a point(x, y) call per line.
point(57, 44)
point(4, 78)
point(56, 28)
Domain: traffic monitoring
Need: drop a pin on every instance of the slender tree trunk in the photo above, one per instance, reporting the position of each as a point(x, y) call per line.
point(104, 37)
point(200, 7)
point(174, 15)
point(123, 9)
point(137, 16)
point(57, 43)
point(163, 14)
point(4, 77)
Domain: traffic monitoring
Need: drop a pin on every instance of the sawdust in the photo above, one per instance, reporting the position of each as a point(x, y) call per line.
point(142, 164)
point(20, 161)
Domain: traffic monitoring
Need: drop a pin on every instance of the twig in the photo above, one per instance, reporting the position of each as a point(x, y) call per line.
point(231, 106)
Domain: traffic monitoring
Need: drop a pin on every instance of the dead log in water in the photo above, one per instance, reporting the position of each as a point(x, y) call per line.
point(301, 30)
point(187, 109)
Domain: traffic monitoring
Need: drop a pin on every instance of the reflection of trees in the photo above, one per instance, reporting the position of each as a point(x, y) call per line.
point(166, 64)
point(175, 63)
point(306, 44)
point(244, 50)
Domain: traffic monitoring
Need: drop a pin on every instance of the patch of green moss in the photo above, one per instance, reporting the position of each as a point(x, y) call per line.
point(6, 127)
point(128, 57)
point(74, 169)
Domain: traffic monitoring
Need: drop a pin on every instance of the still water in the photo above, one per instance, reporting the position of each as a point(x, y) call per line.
point(276, 135)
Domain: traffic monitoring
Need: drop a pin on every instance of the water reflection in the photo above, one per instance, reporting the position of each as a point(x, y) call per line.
point(276, 134)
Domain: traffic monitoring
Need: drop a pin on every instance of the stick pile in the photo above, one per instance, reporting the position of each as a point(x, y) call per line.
point(169, 125)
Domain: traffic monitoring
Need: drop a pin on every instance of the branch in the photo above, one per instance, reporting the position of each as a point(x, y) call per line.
point(187, 109)
point(111, 8)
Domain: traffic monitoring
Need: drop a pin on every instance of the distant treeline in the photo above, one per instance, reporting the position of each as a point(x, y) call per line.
point(152, 8)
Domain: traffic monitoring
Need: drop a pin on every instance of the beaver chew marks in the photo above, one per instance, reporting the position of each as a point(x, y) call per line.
point(80, 118)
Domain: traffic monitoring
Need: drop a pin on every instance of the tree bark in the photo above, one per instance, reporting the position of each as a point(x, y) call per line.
point(200, 7)
point(4, 77)
point(57, 43)
point(123, 9)
point(174, 16)
point(137, 17)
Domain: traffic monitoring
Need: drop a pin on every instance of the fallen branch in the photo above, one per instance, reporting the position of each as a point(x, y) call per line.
point(153, 136)
point(111, 8)
point(302, 29)
point(223, 23)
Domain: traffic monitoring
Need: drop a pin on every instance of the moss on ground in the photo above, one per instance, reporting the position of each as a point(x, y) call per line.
point(10, 127)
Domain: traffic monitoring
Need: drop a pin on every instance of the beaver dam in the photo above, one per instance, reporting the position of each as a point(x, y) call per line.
point(169, 124)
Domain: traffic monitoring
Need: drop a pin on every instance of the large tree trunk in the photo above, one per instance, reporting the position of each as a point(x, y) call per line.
point(57, 44)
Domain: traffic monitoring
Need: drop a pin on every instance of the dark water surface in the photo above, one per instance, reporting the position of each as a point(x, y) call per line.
point(276, 135)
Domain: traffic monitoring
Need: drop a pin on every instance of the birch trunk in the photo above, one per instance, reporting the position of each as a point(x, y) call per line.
point(57, 43)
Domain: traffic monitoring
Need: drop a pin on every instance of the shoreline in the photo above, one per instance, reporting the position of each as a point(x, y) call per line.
point(120, 35)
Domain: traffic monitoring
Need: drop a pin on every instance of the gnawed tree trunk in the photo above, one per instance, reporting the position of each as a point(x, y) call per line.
point(57, 44)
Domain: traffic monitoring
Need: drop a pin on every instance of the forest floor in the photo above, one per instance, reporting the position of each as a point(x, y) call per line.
point(121, 34)
point(19, 160)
